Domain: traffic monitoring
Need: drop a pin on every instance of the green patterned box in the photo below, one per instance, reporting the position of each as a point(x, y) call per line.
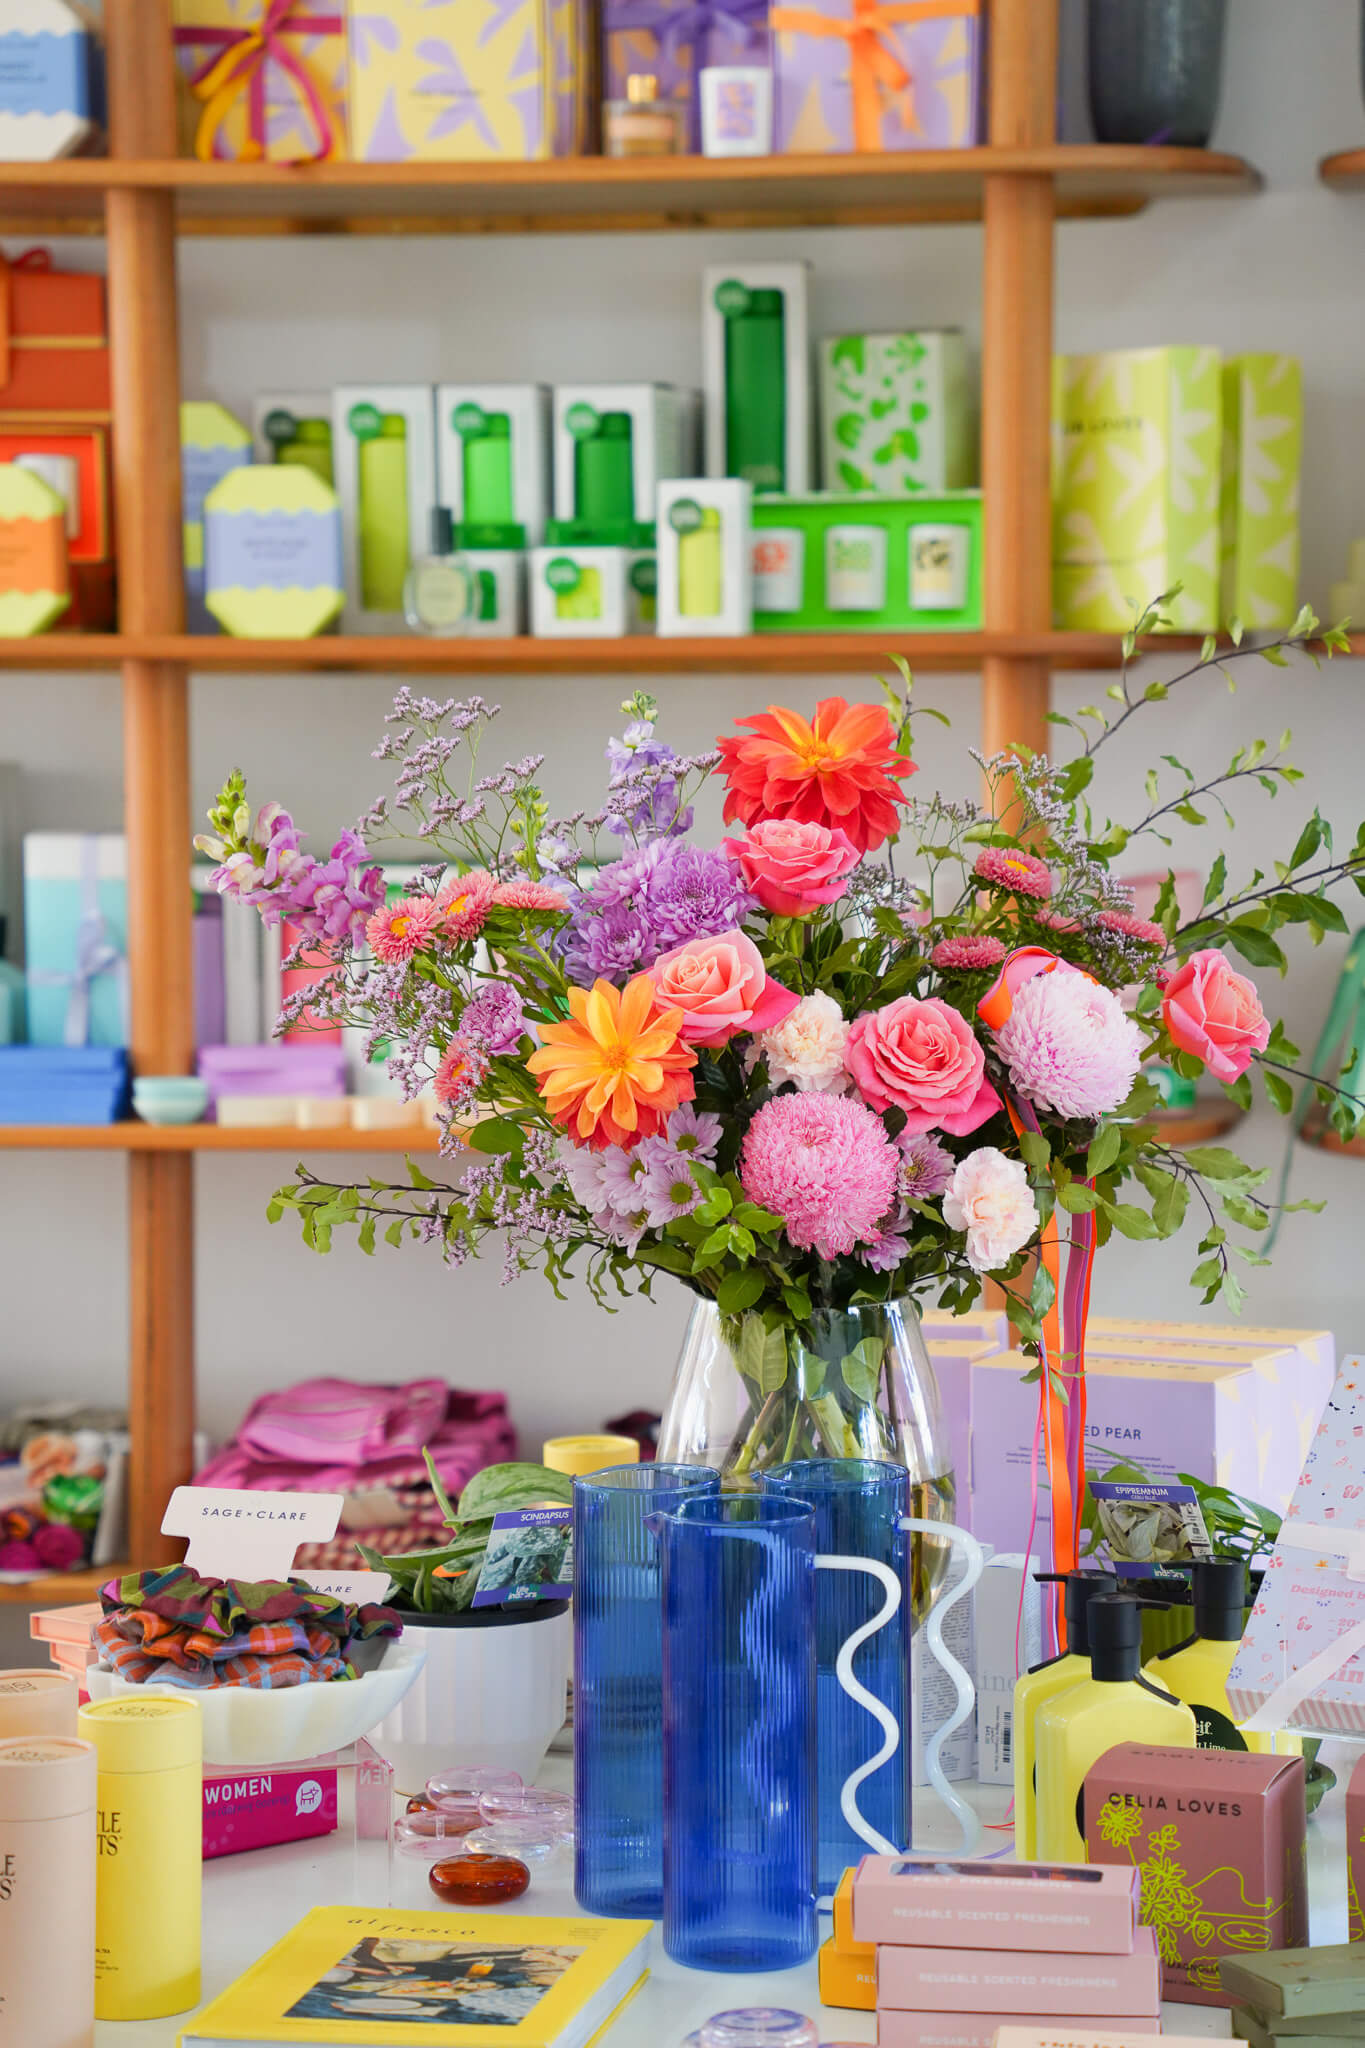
point(1136, 483)
point(1262, 443)
point(896, 413)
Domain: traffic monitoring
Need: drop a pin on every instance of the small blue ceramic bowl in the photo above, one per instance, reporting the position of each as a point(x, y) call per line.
point(170, 1098)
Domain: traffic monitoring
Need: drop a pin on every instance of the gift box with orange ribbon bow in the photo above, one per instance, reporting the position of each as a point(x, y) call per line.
point(263, 79)
point(876, 74)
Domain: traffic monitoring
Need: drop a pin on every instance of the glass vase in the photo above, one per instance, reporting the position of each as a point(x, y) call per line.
point(848, 1383)
point(1156, 69)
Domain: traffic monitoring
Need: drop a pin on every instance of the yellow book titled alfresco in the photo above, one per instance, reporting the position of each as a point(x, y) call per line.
point(380, 1979)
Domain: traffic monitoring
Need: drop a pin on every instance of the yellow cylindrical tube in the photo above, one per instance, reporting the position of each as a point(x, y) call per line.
point(700, 594)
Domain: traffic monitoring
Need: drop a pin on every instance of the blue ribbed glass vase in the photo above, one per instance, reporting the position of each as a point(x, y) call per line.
point(739, 1732)
point(618, 1684)
point(858, 1504)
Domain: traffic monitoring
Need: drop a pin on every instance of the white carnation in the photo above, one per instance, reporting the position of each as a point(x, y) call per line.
point(807, 1047)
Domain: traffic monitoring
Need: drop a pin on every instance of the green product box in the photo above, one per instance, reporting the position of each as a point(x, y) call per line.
point(825, 561)
point(896, 413)
point(1136, 486)
point(1262, 444)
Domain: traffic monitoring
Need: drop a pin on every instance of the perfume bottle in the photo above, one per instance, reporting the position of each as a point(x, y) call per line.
point(439, 595)
point(642, 124)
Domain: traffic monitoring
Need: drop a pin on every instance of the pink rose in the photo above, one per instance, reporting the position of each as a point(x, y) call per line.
point(923, 1057)
point(722, 987)
point(1215, 1013)
point(793, 868)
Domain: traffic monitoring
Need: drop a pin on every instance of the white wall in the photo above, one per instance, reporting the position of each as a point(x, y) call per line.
point(1281, 270)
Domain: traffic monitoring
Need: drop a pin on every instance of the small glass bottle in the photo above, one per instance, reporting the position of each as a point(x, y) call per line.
point(438, 596)
point(642, 124)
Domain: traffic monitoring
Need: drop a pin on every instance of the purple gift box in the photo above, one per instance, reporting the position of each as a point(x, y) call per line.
point(876, 75)
point(673, 42)
point(210, 986)
point(318, 1070)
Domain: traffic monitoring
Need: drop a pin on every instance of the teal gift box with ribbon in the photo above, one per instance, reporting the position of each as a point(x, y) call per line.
point(76, 937)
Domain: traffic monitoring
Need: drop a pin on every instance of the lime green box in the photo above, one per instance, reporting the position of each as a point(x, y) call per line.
point(1137, 445)
point(896, 413)
point(826, 562)
point(1262, 445)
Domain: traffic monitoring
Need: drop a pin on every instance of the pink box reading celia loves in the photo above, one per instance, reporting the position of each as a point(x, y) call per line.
point(257, 1809)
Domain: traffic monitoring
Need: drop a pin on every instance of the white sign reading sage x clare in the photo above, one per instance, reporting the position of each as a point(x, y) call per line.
point(238, 1535)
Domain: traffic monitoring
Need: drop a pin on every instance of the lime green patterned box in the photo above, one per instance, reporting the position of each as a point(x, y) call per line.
point(1262, 443)
point(896, 413)
point(1136, 485)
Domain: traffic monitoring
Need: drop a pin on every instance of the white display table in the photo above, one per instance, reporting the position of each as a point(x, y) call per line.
point(251, 1900)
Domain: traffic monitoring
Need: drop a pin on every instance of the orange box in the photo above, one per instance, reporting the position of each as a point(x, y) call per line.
point(88, 448)
point(849, 1981)
point(54, 340)
point(843, 1919)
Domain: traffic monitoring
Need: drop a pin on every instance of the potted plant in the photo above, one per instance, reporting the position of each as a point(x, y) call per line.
point(492, 1690)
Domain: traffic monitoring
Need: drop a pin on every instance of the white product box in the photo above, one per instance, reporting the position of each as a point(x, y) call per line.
point(736, 110)
point(500, 592)
point(403, 478)
point(298, 405)
point(661, 416)
point(933, 1695)
point(792, 280)
point(705, 556)
point(461, 410)
point(998, 1621)
point(603, 601)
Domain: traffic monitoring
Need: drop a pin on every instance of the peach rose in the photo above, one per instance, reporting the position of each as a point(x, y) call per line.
point(722, 987)
point(794, 868)
point(1214, 1012)
point(922, 1056)
point(990, 1198)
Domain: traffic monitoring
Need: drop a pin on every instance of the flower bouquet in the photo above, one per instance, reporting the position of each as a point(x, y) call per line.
point(874, 1046)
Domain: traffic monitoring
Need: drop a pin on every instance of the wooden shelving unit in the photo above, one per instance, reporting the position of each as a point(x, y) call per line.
point(143, 197)
point(59, 1589)
point(1345, 170)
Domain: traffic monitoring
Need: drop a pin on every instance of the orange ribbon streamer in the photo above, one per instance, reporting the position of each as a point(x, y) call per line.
point(873, 61)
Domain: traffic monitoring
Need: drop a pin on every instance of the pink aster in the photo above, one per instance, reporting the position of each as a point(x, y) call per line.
point(402, 929)
point(529, 895)
point(464, 902)
point(1006, 867)
point(1069, 1045)
point(1140, 928)
point(1056, 921)
point(971, 955)
point(462, 1068)
point(825, 1165)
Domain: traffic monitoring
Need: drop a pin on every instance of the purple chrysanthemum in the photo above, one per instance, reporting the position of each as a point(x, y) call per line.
point(641, 907)
point(492, 1019)
point(926, 1167)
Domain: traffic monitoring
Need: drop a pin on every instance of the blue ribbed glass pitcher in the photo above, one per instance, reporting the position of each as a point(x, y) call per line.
point(618, 1684)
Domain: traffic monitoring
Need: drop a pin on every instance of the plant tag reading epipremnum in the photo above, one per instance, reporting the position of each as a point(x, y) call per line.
point(235, 1534)
point(529, 1557)
point(1149, 1525)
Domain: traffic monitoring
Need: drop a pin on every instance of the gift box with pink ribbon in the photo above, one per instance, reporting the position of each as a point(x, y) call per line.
point(673, 40)
point(876, 74)
point(263, 80)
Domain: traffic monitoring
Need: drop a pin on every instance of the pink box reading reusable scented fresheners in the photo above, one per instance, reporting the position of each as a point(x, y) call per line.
point(1061, 1908)
point(258, 1809)
point(988, 1980)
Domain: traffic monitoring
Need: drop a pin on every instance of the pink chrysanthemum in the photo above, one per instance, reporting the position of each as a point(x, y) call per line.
point(1140, 928)
point(1069, 1045)
point(971, 955)
point(1023, 874)
point(464, 903)
point(529, 895)
point(825, 1165)
point(402, 929)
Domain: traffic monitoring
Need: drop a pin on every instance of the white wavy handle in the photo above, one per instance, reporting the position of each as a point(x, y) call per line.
point(966, 1817)
point(858, 1692)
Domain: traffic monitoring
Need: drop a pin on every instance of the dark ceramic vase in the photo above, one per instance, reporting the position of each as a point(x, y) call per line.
point(1156, 69)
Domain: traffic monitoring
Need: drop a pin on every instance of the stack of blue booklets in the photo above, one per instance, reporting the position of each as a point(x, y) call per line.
point(63, 1084)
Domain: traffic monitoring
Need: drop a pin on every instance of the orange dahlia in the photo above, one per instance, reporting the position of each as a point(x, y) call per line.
point(840, 769)
point(617, 1070)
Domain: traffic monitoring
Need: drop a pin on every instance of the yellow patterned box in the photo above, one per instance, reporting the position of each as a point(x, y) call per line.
point(464, 80)
point(1262, 444)
point(1137, 444)
point(288, 104)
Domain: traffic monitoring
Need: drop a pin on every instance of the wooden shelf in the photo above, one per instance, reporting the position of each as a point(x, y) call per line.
point(60, 1589)
point(137, 1137)
point(591, 194)
point(642, 654)
point(1345, 170)
point(1201, 1125)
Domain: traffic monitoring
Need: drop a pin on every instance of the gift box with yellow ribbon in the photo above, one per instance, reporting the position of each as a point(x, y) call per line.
point(262, 79)
point(876, 74)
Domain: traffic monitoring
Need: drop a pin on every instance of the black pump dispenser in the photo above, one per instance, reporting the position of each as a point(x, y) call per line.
point(1114, 1622)
point(1220, 1598)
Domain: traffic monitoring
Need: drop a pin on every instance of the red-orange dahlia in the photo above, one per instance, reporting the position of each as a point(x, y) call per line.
point(839, 769)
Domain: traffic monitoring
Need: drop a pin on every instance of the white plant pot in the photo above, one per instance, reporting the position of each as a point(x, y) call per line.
point(490, 1696)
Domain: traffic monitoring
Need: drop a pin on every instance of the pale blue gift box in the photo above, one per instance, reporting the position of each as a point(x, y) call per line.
point(76, 937)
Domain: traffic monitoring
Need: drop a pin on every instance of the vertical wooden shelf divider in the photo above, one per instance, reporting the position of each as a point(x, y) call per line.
point(1016, 373)
point(144, 343)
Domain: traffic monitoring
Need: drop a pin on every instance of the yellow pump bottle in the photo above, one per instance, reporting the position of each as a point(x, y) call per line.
point(1115, 1704)
point(1043, 1683)
point(1196, 1670)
